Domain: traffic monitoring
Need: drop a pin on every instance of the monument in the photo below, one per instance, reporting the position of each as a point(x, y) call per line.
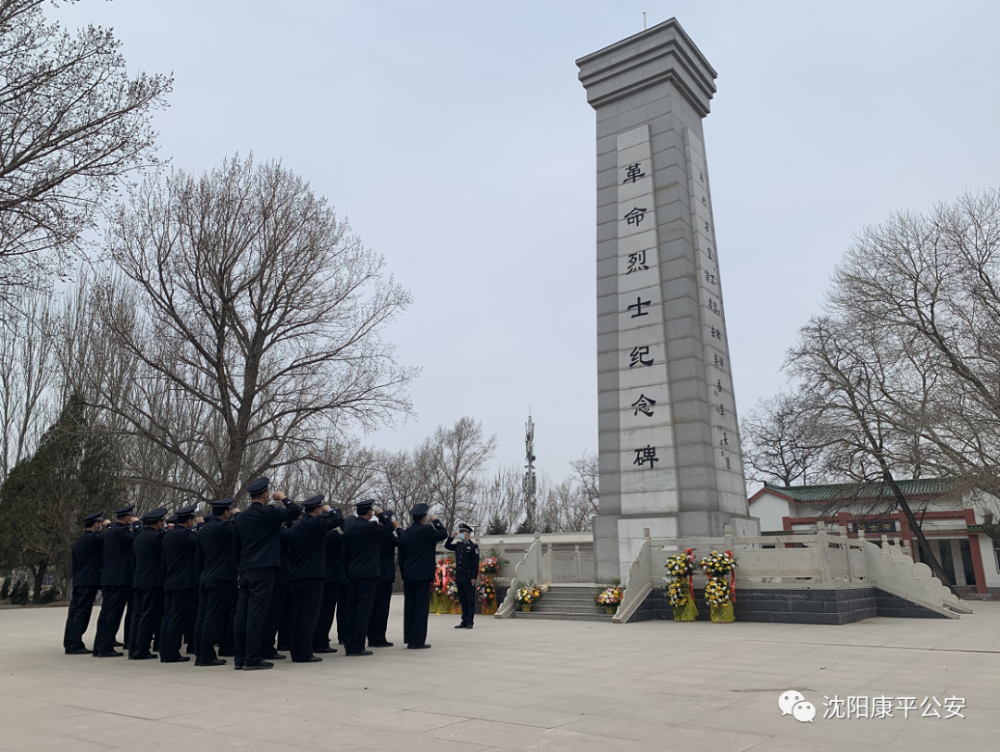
point(669, 443)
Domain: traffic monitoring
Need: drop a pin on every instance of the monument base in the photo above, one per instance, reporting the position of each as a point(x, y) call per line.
point(618, 538)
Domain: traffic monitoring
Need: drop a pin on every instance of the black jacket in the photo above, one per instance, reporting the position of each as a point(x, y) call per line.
point(466, 559)
point(117, 568)
point(416, 550)
point(215, 552)
point(180, 553)
point(307, 550)
point(362, 543)
point(255, 535)
point(147, 550)
point(88, 559)
point(387, 558)
point(334, 543)
point(284, 546)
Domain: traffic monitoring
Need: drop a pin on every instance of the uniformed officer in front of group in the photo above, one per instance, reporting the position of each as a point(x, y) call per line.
point(147, 585)
point(88, 559)
point(333, 544)
point(180, 586)
point(466, 572)
point(116, 581)
point(215, 581)
point(362, 540)
point(257, 555)
point(417, 545)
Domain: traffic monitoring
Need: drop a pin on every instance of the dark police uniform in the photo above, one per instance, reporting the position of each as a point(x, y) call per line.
point(466, 573)
point(307, 570)
point(417, 546)
point(147, 586)
point(116, 582)
point(257, 554)
point(362, 541)
point(277, 625)
point(333, 543)
point(215, 583)
point(88, 559)
point(180, 587)
point(383, 590)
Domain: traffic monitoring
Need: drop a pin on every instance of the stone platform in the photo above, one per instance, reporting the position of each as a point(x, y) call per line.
point(517, 685)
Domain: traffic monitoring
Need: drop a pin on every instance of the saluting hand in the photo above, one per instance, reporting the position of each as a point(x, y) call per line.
point(278, 496)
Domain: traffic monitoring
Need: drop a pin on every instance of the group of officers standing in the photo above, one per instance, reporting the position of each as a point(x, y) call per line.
point(268, 579)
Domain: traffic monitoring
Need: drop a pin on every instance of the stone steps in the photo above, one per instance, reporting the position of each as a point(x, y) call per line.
point(561, 616)
point(568, 603)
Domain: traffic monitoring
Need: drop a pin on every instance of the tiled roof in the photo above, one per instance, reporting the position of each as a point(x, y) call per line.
point(921, 487)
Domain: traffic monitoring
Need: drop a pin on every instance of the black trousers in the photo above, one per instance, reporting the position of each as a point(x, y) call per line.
point(275, 632)
point(146, 622)
point(179, 608)
point(344, 614)
point(306, 597)
point(213, 604)
point(467, 597)
point(380, 614)
point(114, 600)
point(416, 609)
point(327, 609)
point(360, 604)
point(229, 646)
point(81, 606)
point(251, 611)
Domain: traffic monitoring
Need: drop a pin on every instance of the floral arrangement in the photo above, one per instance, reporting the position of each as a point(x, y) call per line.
point(681, 565)
point(718, 565)
point(719, 593)
point(440, 577)
point(680, 589)
point(610, 596)
point(678, 592)
point(528, 594)
point(489, 565)
point(486, 591)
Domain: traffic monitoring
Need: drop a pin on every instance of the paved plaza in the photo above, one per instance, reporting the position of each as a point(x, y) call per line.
point(521, 685)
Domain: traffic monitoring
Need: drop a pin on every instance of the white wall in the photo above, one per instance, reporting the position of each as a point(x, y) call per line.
point(769, 509)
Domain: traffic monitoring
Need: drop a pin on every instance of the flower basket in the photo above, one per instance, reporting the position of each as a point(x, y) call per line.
point(527, 596)
point(723, 614)
point(681, 600)
point(490, 607)
point(687, 612)
point(610, 610)
point(526, 607)
point(610, 598)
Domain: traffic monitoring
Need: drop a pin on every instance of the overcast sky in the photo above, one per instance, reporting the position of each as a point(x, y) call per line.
point(457, 139)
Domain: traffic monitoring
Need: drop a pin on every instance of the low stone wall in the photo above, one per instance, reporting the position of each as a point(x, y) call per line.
point(783, 606)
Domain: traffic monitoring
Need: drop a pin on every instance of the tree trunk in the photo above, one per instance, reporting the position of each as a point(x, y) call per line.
point(928, 555)
point(40, 570)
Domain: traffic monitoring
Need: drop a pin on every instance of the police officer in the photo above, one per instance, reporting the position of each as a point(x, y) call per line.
point(277, 625)
point(416, 565)
point(466, 572)
point(383, 590)
point(215, 581)
point(116, 580)
point(333, 543)
point(147, 585)
point(307, 570)
point(362, 541)
point(258, 555)
point(180, 585)
point(88, 558)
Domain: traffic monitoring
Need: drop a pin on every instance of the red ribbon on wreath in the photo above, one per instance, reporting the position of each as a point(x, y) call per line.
point(732, 579)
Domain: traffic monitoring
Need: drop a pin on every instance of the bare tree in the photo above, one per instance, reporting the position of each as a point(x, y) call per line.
point(500, 502)
point(342, 470)
point(403, 481)
point(779, 443)
point(455, 458)
point(72, 124)
point(249, 318)
point(586, 475)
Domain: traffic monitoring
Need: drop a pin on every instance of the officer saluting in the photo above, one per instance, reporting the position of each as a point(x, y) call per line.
point(416, 564)
point(362, 540)
point(307, 561)
point(215, 582)
point(180, 585)
point(88, 558)
point(466, 572)
point(258, 555)
point(116, 581)
point(147, 585)
point(383, 590)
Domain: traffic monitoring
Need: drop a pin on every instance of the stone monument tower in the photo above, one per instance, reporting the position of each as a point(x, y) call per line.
point(670, 457)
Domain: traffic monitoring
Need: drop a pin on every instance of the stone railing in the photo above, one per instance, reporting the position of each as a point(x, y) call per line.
point(535, 567)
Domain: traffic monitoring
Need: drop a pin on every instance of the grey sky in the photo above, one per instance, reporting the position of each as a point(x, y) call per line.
point(457, 139)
